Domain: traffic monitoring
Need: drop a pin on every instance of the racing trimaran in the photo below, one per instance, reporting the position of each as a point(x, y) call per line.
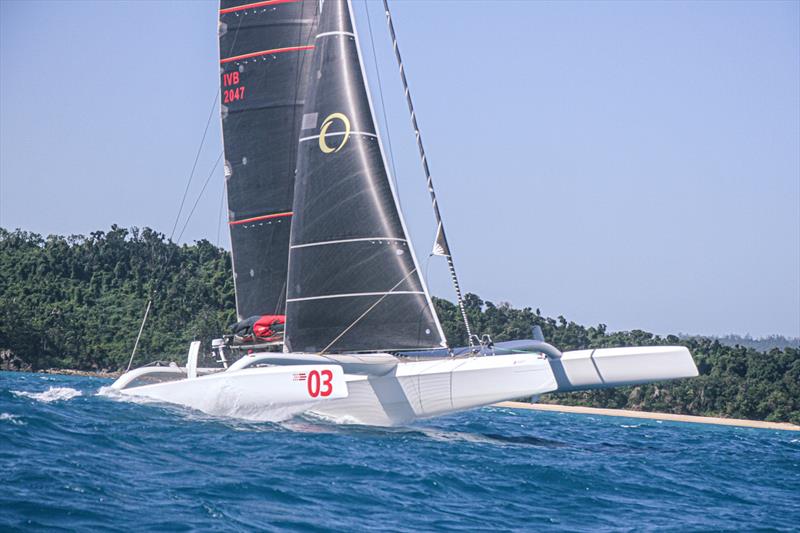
point(320, 248)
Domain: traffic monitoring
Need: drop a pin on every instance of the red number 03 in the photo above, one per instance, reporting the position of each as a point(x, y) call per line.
point(319, 383)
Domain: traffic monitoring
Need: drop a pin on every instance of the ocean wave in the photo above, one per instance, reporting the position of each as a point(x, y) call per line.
point(53, 394)
point(94, 462)
point(14, 419)
point(114, 394)
point(109, 392)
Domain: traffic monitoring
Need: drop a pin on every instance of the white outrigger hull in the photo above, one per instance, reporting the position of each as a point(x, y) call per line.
point(386, 390)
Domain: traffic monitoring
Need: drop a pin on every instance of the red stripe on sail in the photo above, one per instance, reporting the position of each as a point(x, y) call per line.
point(254, 5)
point(262, 217)
point(266, 52)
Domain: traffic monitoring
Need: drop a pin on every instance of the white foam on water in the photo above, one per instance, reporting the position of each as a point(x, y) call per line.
point(109, 392)
point(53, 394)
point(265, 413)
point(631, 426)
point(305, 424)
point(333, 419)
point(14, 419)
point(114, 394)
point(262, 413)
point(459, 436)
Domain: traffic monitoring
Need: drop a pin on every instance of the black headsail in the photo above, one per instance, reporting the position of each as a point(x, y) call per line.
point(265, 54)
point(354, 283)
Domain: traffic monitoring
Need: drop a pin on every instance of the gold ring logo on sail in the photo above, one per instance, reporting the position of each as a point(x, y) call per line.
point(323, 145)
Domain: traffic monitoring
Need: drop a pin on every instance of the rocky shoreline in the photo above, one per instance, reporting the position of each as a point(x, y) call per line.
point(67, 372)
point(12, 363)
point(89, 373)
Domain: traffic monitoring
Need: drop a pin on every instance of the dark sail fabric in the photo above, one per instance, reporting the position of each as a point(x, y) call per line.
point(265, 53)
point(353, 283)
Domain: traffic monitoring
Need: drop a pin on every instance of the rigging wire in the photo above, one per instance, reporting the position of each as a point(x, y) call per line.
point(383, 105)
point(441, 248)
point(194, 165)
point(139, 336)
point(365, 313)
point(219, 213)
point(200, 195)
point(394, 174)
point(154, 286)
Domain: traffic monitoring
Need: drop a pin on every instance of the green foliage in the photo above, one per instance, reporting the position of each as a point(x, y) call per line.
point(734, 381)
point(763, 344)
point(77, 302)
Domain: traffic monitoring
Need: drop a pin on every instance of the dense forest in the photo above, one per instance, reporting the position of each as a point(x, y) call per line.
point(762, 344)
point(77, 302)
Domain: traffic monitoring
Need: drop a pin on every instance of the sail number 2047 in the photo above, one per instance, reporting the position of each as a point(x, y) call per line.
point(235, 92)
point(232, 95)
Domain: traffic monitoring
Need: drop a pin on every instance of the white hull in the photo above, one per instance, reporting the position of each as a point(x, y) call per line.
point(395, 391)
point(424, 389)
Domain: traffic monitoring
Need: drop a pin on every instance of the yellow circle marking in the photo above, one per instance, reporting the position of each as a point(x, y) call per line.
point(324, 130)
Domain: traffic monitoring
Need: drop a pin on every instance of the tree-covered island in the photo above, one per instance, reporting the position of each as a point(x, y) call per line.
point(76, 303)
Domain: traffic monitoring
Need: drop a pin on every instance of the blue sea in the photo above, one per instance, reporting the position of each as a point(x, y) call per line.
point(73, 460)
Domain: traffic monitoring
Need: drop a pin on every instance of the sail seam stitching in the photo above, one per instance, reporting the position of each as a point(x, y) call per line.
point(267, 52)
point(341, 241)
point(325, 34)
point(255, 5)
point(347, 295)
point(259, 218)
point(335, 133)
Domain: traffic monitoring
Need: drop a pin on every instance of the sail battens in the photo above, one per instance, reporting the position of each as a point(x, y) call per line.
point(342, 241)
point(338, 134)
point(257, 219)
point(265, 107)
point(327, 33)
point(267, 52)
point(352, 294)
point(254, 5)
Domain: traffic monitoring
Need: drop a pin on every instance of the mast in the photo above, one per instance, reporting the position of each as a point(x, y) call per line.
point(440, 246)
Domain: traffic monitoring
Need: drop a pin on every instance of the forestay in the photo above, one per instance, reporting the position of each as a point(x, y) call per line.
point(354, 283)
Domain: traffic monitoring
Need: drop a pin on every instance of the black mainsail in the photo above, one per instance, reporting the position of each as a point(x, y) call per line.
point(354, 283)
point(265, 50)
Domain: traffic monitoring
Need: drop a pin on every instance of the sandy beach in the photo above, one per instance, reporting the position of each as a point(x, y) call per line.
point(653, 416)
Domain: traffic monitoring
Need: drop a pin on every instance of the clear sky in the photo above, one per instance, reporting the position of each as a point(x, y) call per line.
point(631, 163)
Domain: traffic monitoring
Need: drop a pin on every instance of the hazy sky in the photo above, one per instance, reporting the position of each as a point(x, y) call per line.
point(635, 164)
